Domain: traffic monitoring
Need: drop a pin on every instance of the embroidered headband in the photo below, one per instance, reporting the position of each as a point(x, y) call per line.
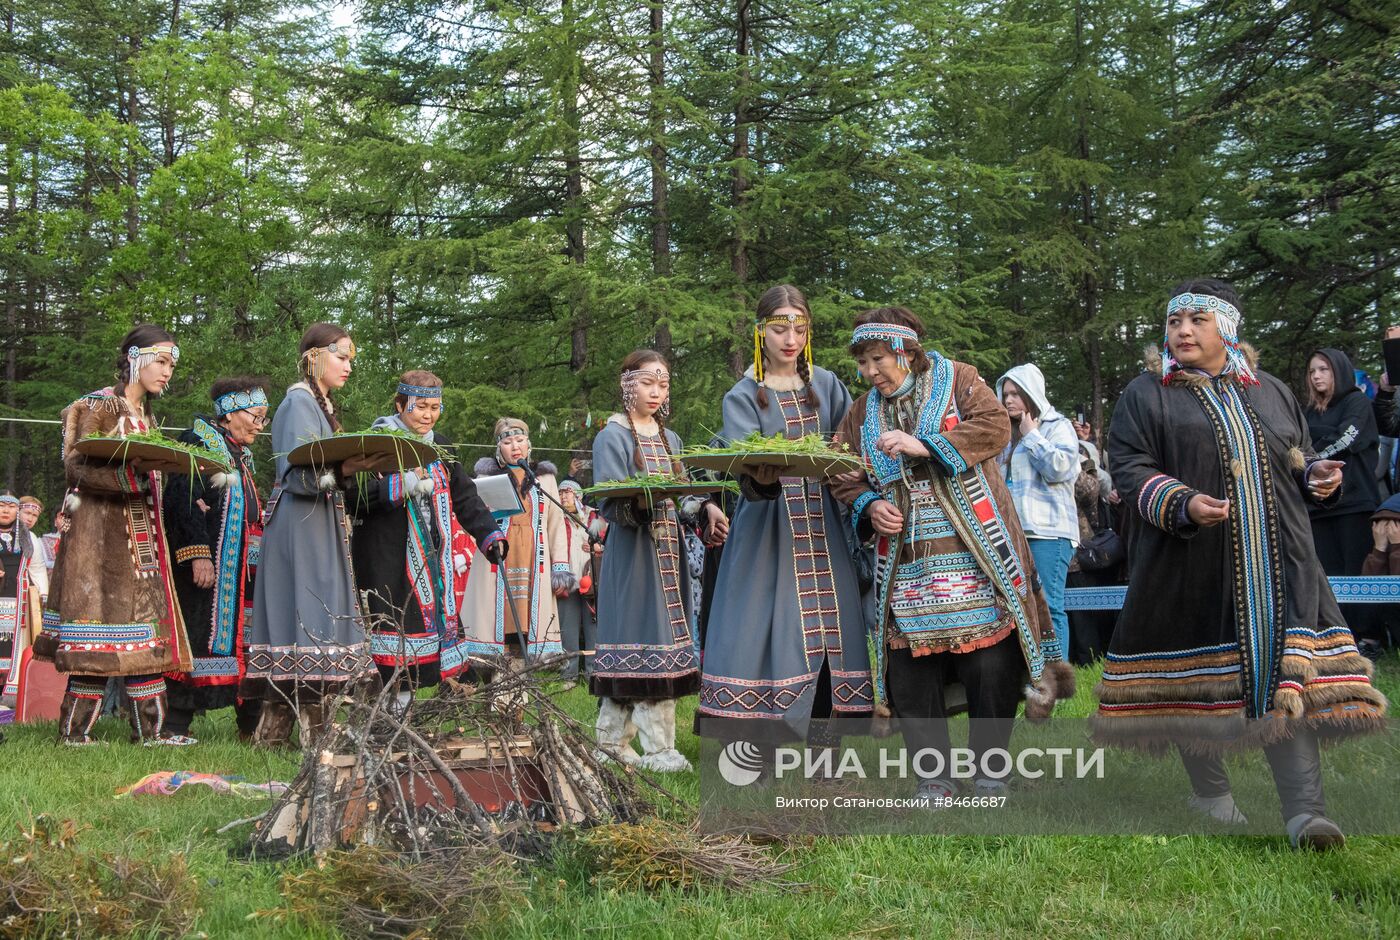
point(787, 319)
point(1227, 322)
point(420, 391)
point(138, 357)
point(511, 432)
point(892, 333)
point(239, 401)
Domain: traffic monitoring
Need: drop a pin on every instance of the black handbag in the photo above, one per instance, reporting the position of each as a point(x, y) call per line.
point(1104, 550)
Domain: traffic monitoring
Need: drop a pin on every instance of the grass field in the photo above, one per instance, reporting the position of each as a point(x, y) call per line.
point(1045, 887)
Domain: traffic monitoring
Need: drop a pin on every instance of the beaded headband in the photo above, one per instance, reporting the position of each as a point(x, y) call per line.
point(9, 500)
point(511, 432)
point(315, 367)
point(1227, 321)
point(138, 357)
point(786, 319)
point(420, 391)
point(569, 485)
point(631, 377)
point(891, 333)
point(239, 401)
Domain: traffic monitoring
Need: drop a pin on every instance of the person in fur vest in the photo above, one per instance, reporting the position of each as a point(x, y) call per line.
point(111, 610)
point(511, 604)
point(958, 595)
point(1229, 637)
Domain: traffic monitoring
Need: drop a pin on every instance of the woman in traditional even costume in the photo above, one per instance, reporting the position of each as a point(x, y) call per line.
point(583, 529)
point(112, 609)
point(30, 511)
point(412, 548)
point(215, 523)
point(958, 595)
point(515, 596)
point(307, 636)
point(786, 646)
point(646, 657)
point(1229, 636)
point(18, 560)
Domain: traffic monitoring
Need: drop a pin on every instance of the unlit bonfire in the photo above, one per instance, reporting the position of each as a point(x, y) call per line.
point(498, 764)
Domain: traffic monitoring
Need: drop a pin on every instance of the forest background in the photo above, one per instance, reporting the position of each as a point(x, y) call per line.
point(514, 194)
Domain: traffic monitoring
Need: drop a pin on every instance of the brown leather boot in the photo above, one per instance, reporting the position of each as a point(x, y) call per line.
point(78, 713)
point(148, 707)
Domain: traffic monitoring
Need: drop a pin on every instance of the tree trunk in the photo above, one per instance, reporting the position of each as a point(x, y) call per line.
point(739, 249)
point(660, 217)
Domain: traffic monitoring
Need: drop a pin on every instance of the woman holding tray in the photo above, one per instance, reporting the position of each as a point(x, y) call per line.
point(307, 637)
point(411, 549)
point(513, 593)
point(786, 647)
point(215, 529)
point(111, 609)
point(645, 654)
point(958, 595)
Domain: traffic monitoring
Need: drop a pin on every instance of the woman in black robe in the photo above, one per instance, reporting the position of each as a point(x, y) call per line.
point(1229, 636)
point(215, 524)
point(410, 551)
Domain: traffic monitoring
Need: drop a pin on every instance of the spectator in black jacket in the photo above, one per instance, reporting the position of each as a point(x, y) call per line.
point(1343, 427)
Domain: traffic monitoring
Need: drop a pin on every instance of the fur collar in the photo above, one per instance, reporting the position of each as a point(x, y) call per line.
point(1152, 363)
point(487, 467)
point(778, 383)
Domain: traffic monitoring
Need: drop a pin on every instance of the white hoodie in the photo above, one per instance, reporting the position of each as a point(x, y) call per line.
point(1040, 473)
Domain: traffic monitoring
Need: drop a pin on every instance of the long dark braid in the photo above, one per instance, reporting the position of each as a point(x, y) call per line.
point(804, 372)
point(637, 459)
point(323, 401)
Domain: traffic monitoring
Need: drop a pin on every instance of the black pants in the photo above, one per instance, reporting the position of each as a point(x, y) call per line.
point(1342, 544)
point(1297, 768)
point(1090, 630)
point(992, 677)
point(246, 714)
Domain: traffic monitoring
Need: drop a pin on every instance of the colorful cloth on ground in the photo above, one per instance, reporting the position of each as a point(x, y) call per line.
point(168, 782)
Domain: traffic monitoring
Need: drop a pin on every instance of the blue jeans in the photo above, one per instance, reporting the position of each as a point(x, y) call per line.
point(1052, 558)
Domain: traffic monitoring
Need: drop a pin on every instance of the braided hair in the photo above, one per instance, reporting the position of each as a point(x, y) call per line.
point(774, 299)
point(318, 336)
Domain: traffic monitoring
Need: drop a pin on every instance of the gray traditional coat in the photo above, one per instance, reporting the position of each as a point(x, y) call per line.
point(787, 601)
point(307, 627)
point(645, 648)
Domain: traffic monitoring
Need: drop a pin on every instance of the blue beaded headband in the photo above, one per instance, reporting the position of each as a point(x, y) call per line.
point(8, 499)
point(420, 391)
point(891, 333)
point(239, 401)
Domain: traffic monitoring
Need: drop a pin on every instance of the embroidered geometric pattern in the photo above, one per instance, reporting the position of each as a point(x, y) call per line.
point(215, 670)
point(816, 586)
point(391, 649)
point(146, 688)
point(666, 538)
point(326, 663)
point(1256, 561)
point(191, 552)
point(1159, 501)
point(106, 636)
point(646, 662)
point(935, 389)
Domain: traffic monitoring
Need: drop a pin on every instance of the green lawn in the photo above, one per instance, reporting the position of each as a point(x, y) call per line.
point(1145, 886)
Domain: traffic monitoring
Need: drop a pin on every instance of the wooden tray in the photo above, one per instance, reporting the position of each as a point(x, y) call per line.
point(654, 494)
point(154, 456)
point(330, 451)
point(812, 466)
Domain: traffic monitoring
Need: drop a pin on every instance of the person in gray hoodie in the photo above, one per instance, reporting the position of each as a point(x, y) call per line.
point(1041, 463)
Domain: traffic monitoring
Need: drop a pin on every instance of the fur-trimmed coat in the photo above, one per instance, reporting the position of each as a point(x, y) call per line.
point(111, 609)
point(486, 623)
point(1228, 624)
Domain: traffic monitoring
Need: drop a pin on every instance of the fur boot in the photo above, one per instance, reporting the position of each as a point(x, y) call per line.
point(615, 731)
point(656, 731)
point(78, 713)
